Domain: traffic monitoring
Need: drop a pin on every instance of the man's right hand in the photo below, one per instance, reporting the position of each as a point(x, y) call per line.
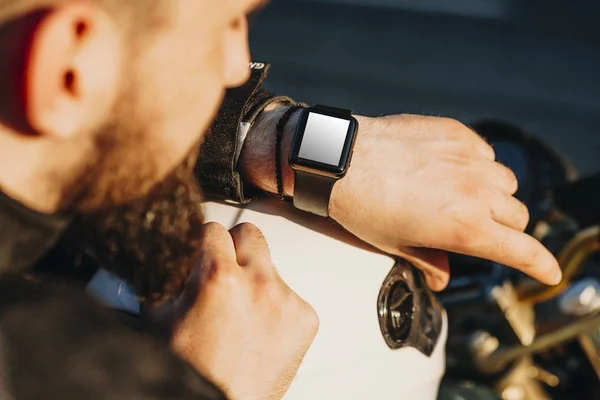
point(238, 323)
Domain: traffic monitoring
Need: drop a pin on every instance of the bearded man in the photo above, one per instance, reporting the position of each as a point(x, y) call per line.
point(103, 105)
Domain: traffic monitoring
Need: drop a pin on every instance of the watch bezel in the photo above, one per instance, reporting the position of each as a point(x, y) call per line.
point(303, 164)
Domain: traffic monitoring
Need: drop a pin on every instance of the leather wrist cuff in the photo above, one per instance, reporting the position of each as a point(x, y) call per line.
point(216, 169)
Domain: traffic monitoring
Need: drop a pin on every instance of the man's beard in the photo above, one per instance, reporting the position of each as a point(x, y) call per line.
point(149, 242)
point(152, 240)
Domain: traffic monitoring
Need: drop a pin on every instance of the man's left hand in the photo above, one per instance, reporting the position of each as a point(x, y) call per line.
point(418, 186)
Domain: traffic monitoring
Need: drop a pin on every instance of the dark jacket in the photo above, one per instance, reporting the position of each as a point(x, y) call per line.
point(56, 343)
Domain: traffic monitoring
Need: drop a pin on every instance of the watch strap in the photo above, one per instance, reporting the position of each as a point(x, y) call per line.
point(333, 110)
point(312, 192)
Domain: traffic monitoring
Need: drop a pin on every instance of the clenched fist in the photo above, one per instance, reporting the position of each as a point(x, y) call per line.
point(237, 322)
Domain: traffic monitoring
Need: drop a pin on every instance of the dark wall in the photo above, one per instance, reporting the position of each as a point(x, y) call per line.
point(536, 63)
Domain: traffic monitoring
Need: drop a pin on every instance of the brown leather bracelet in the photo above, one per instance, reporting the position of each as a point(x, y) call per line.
point(280, 128)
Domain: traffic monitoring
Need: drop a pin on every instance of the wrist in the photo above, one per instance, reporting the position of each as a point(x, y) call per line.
point(345, 190)
point(257, 159)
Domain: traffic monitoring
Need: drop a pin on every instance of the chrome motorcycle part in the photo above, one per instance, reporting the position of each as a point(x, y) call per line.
point(521, 383)
point(409, 314)
point(581, 298)
point(519, 315)
point(544, 342)
point(571, 260)
point(590, 344)
point(482, 344)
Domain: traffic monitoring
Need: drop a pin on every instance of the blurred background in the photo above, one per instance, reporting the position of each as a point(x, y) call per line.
point(532, 62)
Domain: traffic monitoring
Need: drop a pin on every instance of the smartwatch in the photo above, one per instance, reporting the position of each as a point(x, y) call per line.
point(320, 155)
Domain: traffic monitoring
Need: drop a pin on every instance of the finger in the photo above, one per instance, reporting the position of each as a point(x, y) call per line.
point(510, 212)
point(482, 146)
point(216, 244)
point(216, 257)
point(517, 250)
point(486, 150)
point(434, 264)
point(502, 177)
point(250, 245)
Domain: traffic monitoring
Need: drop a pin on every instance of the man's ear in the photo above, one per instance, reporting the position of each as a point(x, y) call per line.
point(73, 70)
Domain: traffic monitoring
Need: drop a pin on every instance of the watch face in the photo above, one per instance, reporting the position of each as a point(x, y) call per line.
point(323, 143)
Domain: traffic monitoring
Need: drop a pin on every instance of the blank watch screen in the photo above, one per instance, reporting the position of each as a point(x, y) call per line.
point(324, 139)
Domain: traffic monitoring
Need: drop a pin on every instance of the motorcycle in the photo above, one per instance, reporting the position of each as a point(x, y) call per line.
point(512, 338)
point(383, 333)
